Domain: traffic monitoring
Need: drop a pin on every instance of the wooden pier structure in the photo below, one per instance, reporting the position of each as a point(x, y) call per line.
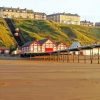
point(69, 56)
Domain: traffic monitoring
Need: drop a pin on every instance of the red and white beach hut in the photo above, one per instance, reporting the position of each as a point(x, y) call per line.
point(47, 45)
point(61, 46)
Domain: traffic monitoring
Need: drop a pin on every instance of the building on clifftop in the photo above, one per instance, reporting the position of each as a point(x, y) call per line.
point(65, 18)
point(7, 12)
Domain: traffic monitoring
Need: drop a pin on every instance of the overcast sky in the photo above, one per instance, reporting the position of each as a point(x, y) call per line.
point(87, 9)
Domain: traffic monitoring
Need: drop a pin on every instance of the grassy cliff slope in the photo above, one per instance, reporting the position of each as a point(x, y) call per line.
point(6, 39)
point(39, 29)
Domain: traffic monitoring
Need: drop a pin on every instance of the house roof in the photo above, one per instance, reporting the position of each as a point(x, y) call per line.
point(21, 10)
point(75, 45)
point(58, 43)
point(43, 41)
point(39, 13)
point(27, 44)
point(39, 42)
point(67, 14)
point(86, 22)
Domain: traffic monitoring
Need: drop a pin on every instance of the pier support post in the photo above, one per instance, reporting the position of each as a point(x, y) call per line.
point(73, 57)
point(78, 56)
point(91, 56)
point(68, 57)
point(30, 57)
point(85, 57)
point(98, 55)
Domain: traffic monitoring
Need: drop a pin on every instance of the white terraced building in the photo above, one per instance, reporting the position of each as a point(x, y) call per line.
point(9, 12)
point(43, 46)
point(86, 51)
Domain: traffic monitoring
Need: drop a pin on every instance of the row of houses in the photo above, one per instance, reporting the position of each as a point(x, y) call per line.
point(89, 23)
point(47, 45)
point(43, 46)
point(63, 18)
point(93, 49)
point(97, 24)
point(86, 23)
point(7, 12)
point(66, 18)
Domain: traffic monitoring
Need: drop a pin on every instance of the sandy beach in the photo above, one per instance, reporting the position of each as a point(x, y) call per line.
point(37, 80)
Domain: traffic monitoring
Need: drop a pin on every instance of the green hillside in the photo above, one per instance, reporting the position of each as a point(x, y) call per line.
point(39, 29)
point(6, 39)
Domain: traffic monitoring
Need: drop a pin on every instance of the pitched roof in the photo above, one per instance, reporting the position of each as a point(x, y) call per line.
point(87, 22)
point(39, 13)
point(39, 42)
point(67, 14)
point(43, 41)
point(22, 10)
point(27, 44)
point(16, 9)
point(75, 45)
point(58, 43)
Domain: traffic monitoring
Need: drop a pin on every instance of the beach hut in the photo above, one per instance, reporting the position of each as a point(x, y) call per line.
point(41, 46)
point(31, 47)
point(47, 45)
point(75, 47)
point(61, 46)
point(93, 48)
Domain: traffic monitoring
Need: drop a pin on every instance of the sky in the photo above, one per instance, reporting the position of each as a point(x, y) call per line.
point(87, 9)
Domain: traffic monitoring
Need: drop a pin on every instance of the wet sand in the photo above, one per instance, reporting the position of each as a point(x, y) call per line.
point(32, 80)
